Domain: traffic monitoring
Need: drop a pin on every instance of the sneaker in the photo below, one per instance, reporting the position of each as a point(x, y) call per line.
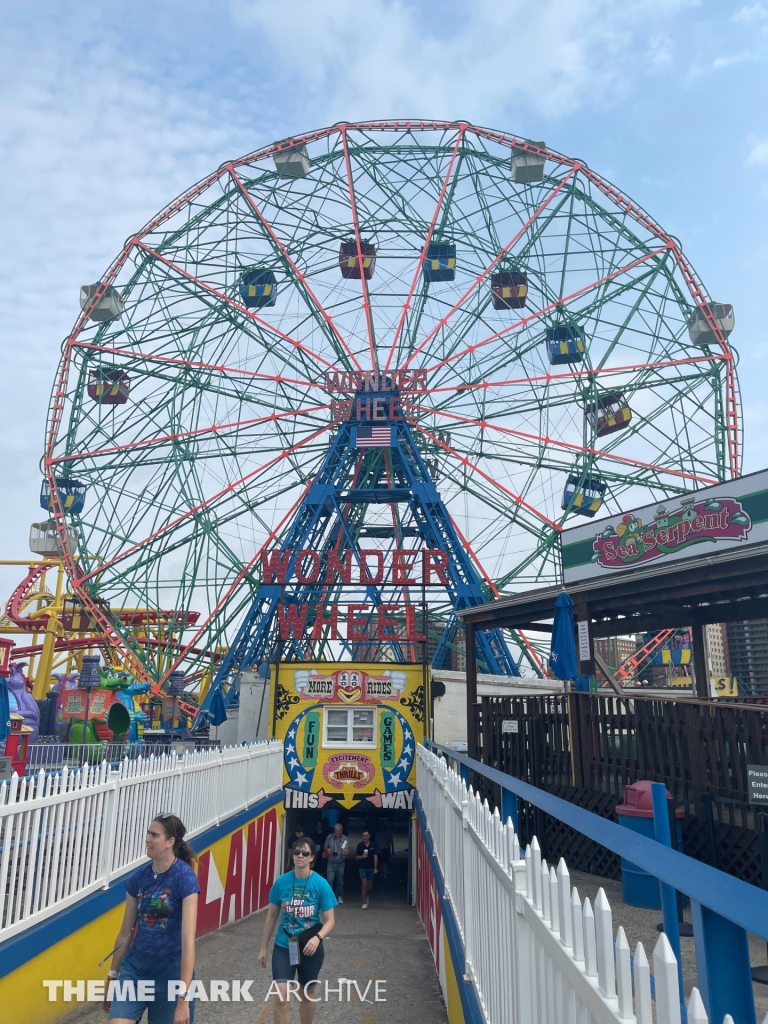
point(340, 899)
point(365, 906)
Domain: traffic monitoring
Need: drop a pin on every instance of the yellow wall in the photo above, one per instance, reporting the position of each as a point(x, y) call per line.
point(232, 885)
point(22, 996)
point(452, 997)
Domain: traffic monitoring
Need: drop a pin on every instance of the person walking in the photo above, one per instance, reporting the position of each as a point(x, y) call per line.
point(318, 837)
point(368, 865)
point(304, 902)
point(385, 845)
point(337, 846)
point(156, 941)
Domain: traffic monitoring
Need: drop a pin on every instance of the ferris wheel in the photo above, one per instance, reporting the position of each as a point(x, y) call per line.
point(554, 353)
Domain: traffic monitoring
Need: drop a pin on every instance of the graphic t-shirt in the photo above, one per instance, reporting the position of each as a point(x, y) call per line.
point(301, 900)
point(159, 924)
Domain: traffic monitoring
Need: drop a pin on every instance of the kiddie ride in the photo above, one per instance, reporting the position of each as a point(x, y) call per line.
point(51, 700)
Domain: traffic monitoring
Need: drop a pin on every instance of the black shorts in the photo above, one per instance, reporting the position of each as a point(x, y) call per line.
point(308, 969)
point(383, 856)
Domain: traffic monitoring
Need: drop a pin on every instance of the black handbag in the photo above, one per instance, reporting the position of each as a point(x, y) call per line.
point(303, 937)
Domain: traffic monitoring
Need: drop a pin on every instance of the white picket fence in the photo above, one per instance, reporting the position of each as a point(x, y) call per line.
point(534, 952)
point(66, 834)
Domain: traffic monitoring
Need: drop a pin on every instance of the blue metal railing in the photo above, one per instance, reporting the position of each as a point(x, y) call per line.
point(723, 908)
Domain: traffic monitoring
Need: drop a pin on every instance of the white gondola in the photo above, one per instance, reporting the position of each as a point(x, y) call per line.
point(293, 162)
point(43, 540)
point(109, 306)
point(527, 167)
point(699, 329)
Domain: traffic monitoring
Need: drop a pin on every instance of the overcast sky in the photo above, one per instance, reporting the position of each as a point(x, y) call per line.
point(110, 109)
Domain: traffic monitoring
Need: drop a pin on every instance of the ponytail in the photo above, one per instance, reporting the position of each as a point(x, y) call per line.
point(174, 828)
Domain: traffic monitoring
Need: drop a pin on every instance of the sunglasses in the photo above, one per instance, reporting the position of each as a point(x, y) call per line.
point(301, 853)
point(164, 816)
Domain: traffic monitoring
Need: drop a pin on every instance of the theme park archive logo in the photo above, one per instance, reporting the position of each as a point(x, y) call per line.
point(694, 522)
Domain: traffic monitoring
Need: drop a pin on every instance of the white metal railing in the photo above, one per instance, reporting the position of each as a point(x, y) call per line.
point(532, 950)
point(72, 755)
point(67, 833)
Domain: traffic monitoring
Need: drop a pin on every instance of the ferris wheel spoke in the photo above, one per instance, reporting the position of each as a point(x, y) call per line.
point(356, 228)
point(407, 304)
point(233, 305)
point(221, 369)
point(566, 375)
point(469, 464)
point(215, 430)
point(325, 321)
point(546, 441)
point(241, 575)
point(525, 321)
point(226, 492)
point(494, 262)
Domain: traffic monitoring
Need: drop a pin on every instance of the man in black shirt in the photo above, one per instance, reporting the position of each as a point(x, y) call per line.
point(318, 837)
point(367, 865)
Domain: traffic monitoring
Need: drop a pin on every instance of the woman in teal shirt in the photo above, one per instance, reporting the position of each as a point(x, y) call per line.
point(304, 901)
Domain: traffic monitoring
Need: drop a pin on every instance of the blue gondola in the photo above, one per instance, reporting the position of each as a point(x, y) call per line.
point(509, 289)
point(258, 288)
point(71, 495)
point(565, 344)
point(439, 262)
point(583, 496)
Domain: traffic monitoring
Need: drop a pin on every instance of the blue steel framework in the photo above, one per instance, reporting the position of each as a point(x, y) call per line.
point(723, 909)
point(331, 517)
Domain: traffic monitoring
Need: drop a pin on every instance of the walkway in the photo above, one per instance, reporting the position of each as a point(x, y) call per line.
point(386, 942)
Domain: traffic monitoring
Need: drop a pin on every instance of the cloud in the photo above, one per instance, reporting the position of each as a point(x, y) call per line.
point(758, 156)
point(751, 13)
point(390, 57)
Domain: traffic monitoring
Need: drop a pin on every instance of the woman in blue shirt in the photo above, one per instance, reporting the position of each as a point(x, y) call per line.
point(156, 942)
point(305, 902)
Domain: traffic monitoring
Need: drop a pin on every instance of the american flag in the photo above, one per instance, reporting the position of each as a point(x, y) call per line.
point(373, 437)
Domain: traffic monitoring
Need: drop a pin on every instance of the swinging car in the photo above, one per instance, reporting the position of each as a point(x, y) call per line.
point(509, 289)
point(700, 331)
point(350, 262)
point(258, 288)
point(109, 306)
point(44, 541)
point(292, 162)
point(565, 344)
point(583, 496)
point(608, 414)
point(527, 167)
point(109, 385)
point(71, 495)
point(440, 262)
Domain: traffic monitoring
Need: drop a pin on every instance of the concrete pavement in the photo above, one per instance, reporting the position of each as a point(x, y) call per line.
point(386, 943)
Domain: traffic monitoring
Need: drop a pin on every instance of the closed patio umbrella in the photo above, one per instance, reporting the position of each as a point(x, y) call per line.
point(563, 661)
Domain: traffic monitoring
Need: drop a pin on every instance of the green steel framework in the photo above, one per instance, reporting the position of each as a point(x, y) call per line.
point(228, 418)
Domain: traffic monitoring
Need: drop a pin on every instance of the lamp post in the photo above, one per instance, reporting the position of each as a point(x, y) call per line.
point(90, 677)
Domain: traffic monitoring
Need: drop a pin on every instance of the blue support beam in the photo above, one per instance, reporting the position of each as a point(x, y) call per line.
point(329, 519)
point(663, 835)
point(723, 967)
point(510, 809)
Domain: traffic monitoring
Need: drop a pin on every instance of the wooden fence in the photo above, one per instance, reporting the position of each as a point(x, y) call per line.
point(588, 747)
